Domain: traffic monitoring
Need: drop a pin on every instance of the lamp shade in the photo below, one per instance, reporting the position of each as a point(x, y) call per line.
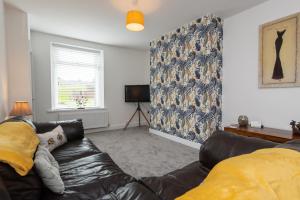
point(21, 108)
point(135, 20)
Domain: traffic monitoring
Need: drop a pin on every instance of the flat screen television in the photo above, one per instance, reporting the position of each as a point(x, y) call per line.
point(137, 93)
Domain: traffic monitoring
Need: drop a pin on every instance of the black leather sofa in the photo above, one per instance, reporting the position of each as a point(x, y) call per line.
point(90, 174)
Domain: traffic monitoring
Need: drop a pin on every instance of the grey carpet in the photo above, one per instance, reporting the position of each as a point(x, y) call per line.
point(141, 154)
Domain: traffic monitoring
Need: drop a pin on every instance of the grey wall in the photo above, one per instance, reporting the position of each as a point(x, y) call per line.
point(17, 55)
point(274, 106)
point(121, 66)
point(3, 68)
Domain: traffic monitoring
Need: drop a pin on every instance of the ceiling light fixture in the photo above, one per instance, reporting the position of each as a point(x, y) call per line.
point(135, 20)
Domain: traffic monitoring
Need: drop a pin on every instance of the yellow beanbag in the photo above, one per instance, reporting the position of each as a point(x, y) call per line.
point(18, 143)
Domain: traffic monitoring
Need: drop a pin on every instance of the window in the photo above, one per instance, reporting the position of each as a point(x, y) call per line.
point(77, 77)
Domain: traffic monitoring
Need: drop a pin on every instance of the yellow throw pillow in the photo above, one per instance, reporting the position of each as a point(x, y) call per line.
point(18, 143)
point(266, 174)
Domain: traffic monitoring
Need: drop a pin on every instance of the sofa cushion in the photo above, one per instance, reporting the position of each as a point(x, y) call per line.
point(86, 171)
point(131, 191)
point(176, 183)
point(53, 139)
point(48, 169)
point(97, 170)
point(73, 129)
point(222, 145)
point(74, 150)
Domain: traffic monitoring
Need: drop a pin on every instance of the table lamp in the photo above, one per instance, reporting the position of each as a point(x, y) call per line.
point(21, 109)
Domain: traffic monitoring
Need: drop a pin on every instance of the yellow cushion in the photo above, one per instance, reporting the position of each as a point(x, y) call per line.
point(18, 143)
point(272, 174)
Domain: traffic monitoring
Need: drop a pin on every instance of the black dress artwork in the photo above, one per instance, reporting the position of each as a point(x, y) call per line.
point(277, 71)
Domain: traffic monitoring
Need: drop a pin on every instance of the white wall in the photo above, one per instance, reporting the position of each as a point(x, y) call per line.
point(241, 95)
point(121, 66)
point(3, 68)
point(18, 56)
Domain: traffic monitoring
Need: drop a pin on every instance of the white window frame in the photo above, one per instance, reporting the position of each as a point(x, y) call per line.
point(99, 81)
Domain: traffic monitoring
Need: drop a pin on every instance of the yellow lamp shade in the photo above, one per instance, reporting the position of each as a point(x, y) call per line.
point(21, 108)
point(135, 20)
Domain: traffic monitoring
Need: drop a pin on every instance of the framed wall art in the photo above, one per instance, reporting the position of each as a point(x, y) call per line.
point(280, 53)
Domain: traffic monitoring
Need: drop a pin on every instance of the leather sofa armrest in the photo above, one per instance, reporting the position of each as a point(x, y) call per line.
point(4, 195)
point(132, 191)
point(178, 182)
point(293, 144)
point(222, 145)
point(72, 128)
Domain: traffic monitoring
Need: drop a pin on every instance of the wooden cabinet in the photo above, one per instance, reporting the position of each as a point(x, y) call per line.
point(272, 134)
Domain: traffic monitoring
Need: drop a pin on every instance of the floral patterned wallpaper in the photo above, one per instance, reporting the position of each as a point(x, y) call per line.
point(186, 80)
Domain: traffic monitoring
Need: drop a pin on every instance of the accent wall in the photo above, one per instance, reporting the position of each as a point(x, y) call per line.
point(186, 80)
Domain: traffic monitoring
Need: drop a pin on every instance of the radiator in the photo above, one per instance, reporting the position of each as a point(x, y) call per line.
point(90, 118)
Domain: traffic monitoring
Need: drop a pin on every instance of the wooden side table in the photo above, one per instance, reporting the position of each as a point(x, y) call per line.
point(271, 134)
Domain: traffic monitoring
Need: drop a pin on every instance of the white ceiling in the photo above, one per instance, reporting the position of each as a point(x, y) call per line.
point(103, 21)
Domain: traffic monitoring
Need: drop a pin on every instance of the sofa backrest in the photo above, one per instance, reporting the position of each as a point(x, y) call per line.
point(222, 145)
point(73, 129)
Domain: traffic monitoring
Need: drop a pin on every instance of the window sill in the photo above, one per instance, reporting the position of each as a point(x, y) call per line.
point(74, 110)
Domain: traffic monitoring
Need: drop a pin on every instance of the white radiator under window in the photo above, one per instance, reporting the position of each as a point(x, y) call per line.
point(90, 118)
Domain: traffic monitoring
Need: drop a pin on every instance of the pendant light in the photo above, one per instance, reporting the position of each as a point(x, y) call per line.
point(135, 20)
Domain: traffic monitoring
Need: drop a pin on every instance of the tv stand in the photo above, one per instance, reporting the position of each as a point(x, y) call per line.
point(139, 111)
